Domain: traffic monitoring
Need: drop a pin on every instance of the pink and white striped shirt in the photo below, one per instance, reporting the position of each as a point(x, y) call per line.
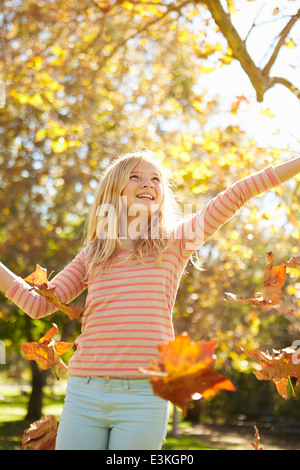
point(129, 305)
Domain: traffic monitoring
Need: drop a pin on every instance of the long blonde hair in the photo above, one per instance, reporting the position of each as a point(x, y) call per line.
point(102, 250)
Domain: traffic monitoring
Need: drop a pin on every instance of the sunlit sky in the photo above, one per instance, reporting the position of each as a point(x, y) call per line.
point(283, 129)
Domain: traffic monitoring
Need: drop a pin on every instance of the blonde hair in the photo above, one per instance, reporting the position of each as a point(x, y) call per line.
point(102, 250)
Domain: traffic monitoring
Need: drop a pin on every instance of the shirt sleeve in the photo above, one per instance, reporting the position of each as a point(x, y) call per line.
point(193, 232)
point(69, 284)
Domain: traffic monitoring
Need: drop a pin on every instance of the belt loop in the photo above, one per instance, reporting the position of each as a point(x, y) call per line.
point(125, 383)
point(86, 379)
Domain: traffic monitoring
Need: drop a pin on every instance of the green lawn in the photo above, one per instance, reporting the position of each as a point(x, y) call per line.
point(13, 407)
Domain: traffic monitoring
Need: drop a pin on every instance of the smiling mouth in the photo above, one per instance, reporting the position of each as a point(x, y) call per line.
point(145, 196)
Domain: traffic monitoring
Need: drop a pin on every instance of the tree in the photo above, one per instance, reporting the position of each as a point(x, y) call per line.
point(88, 81)
point(259, 76)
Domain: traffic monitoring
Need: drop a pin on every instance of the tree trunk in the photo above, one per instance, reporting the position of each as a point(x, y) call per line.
point(39, 377)
point(175, 423)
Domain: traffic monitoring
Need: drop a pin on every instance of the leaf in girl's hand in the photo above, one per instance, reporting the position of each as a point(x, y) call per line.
point(74, 312)
point(278, 367)
point(41, 435)
point(47, 351)
point(186, 368)
point(38, 277)
point(39, 280)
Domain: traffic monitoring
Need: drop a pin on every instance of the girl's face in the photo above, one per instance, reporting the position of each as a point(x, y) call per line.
point(144, 187)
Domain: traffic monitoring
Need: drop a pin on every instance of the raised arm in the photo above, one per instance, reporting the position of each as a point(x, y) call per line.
point(196, 230)
point(6, 278)
point(288, 170)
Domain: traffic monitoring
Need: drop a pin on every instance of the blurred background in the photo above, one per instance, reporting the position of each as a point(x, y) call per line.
point(82, 82)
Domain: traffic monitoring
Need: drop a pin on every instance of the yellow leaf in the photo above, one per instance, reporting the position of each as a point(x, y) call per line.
point(36, 62)
point(227, 58)
point(40, 135)
point(127, 5)
point(267, 112)
point(206, 69)
point(183, 36)
point(231, 7)
point(290, 44)
point(198, 106)
point(20, 97)
point(59, 146)
point(36, 100)
point(179, 152)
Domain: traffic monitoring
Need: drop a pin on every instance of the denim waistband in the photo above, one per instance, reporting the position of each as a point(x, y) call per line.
point(105, 380)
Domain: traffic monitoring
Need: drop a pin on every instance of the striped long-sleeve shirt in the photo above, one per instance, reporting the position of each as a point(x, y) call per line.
point(129, 305)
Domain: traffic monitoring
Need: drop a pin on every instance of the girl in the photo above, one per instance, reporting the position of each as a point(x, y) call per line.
point(135, 253)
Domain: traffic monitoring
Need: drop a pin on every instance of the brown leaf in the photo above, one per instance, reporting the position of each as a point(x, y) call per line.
point(278, 367)
point(46, 352)
point(74, 312)
point(273, 281)
point(271, 294)
point(256, 444)
point(186, 368)
point(41, 435)
point(39, 280)
point(294, 262)
point(38, 277)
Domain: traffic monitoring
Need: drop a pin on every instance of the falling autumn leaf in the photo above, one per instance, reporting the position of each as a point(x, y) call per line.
point(46, 352)
point(236, 104)
point(274, 278)
point(41, 435)
point(278, 367)
point(273, 281)
point(294, 262)
point(39, 280)
point(186, 368)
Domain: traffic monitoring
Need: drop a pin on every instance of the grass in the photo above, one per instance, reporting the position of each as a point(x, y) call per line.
point(185, 443)
point(13, 408)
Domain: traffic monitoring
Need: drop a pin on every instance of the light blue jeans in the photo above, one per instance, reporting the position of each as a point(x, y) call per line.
point(112, 413)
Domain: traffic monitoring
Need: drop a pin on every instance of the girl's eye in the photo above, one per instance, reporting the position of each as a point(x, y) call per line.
point(157, 179)
point(133, 176)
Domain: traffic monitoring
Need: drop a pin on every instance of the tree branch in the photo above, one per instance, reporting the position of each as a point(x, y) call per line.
point(282, 37)
point(283, 81)
point(259, 77)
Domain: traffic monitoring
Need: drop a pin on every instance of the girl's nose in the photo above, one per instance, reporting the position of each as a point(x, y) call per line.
point(147, 183)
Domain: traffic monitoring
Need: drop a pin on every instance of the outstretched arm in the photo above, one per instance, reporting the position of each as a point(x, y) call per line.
point(69, 283)
point(6, 278)
point(195, 231)
point(287, 170)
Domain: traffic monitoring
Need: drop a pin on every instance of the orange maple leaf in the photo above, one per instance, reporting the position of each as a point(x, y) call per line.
point(39, 280)
point(46, 352)
point(41, 435)
point(186, 368)
point(278, 367)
